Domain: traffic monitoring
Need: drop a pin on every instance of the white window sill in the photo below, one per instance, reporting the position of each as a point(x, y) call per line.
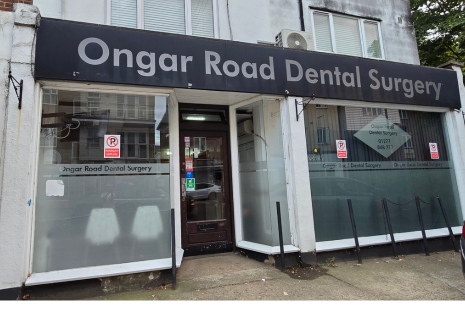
point(384, 239)
point(102, 271)
point(266, 249)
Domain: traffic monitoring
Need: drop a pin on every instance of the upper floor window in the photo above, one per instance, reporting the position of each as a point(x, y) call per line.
point(347, 35)
point(191, 17)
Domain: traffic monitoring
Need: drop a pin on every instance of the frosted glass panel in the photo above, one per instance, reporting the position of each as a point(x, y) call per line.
point(262, 173)
point(124, 13)
point(92, 210)
point(388, 156)
point(347, 36)
point(202, 18)
point(322, 32)
point(165, 16)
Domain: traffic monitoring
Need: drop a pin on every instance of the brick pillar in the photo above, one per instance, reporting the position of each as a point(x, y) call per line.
point(7, 5)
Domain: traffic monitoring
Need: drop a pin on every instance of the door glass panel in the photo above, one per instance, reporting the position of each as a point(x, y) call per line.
point(205, 199)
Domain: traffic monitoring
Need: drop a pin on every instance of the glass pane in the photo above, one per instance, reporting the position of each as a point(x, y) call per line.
point(322, 32)
point(202, 18)
point(165, 16)
point(92, 210)
point(261, 172)
point(206, 201)
point(387, 157)
point(201, 117)
point(372, 40)
point(124, 13)
point(347, 36)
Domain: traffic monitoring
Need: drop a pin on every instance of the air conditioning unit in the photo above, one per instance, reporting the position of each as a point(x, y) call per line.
point(295, 39)
point(245, 128)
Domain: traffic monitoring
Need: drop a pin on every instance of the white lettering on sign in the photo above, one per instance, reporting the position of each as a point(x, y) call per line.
point(112, 146)
point(147, 61)
point(341, 147)
point(433, 149)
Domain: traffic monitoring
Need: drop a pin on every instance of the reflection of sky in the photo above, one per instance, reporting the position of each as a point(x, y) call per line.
point(160, 110)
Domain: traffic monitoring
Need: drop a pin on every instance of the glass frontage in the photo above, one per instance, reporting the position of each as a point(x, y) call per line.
point(262, 173)
point(93, 209)
point(392, 154)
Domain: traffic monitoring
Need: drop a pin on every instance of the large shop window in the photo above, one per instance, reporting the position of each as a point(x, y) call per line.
point(261, 170)
point(388, 156)
point(93, 210)
point(347, 35)
point(165, 16)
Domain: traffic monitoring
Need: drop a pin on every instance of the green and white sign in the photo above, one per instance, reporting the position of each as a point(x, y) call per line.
point(190, 185)
point(383, 136)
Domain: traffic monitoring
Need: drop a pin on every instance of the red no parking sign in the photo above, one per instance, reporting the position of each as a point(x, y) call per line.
point(112, 146)
point(341, 147)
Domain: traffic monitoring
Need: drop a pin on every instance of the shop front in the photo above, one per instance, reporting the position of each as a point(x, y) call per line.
point(135, 124)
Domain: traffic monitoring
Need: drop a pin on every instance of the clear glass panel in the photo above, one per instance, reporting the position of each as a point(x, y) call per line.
point(322, 32)
point(202, 115)
point(202, 18)
point(93, 210)
point(205, 202)
point(372, 39)
point(387, 157)
point(262, 173)
point(347, 36)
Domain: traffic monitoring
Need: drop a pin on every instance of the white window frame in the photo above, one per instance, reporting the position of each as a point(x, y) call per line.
point(137, 144)
point(408, 144)
point(403, 114)
point(187, 12)
point(137, 108)
point(325, 135)
point(361, 29)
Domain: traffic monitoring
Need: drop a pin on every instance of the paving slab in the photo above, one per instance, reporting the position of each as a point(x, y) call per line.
point(235, 277)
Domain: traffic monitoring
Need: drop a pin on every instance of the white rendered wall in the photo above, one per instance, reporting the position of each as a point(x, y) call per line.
point(398, 33)
point(457, 135)
point(261, 20)
point(20, 143)
point(87, 11)
point(6, 41)
point(298, 177)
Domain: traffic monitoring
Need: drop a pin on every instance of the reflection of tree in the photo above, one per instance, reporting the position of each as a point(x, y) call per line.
point(374, 50)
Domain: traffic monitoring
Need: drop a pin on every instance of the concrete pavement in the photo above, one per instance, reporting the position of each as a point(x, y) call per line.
point(235, 277)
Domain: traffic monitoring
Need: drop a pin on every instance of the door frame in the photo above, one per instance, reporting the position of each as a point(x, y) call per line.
point(198, 127)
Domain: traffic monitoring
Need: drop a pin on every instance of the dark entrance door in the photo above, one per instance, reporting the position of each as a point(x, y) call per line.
point(205, 181)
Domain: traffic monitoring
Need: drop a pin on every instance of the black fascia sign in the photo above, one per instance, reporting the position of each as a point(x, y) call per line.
point(93, 53)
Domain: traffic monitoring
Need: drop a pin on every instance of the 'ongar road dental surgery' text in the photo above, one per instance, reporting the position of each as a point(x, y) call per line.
point(214, 65)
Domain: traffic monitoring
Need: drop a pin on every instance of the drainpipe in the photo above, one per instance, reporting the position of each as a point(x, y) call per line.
point(301, 13)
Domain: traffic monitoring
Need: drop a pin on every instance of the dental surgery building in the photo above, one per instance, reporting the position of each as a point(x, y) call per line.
point(117, 112)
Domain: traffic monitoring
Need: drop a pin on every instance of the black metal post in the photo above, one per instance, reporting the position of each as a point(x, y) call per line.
point(422, 225)
point(354, 230)
point(20, 95)
point(452, 237)
point(173, 249)
point(391, 232)
point(280, 231)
